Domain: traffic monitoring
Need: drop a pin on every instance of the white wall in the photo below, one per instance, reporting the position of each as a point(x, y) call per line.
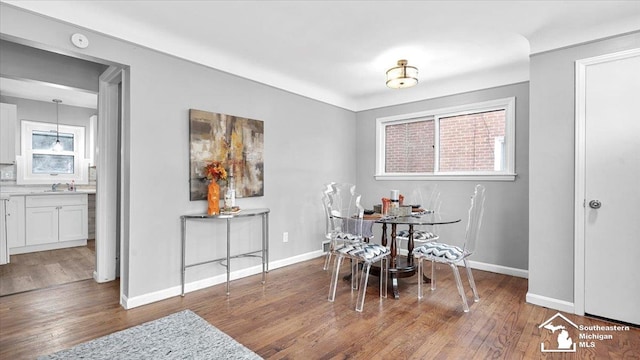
point(503, 241)
point(300, 154)
point(551, 151)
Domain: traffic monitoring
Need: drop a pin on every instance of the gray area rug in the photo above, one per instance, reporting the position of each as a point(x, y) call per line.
point(183, 335)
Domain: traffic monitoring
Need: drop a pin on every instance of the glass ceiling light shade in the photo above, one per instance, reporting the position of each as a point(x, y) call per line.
point(402, 76)
point(57, 146)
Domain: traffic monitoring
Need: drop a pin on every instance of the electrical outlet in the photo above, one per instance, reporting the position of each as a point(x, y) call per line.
point(285, 237)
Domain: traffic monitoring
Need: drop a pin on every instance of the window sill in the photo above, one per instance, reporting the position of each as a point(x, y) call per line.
point(447, 177)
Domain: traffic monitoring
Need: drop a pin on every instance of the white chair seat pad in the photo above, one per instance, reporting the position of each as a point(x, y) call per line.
point(439, 250)
point(419, 235)
point(364, 251)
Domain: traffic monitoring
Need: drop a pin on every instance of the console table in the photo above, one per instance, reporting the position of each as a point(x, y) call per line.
point(262, 253)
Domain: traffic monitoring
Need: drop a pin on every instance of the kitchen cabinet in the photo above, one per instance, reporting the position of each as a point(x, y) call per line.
point(42, 225)
point(55, 221)
point(4, 249)
point(8, 116)
point(72, 222)
point(92, 216)
point(15, 222)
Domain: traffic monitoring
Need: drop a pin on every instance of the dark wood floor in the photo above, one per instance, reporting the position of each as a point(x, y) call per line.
point(43, 269)
point(290, 318)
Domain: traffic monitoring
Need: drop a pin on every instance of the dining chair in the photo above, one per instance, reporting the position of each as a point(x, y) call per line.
point(342, 198)
point(333, 192)
point(327, 188)
point(428, 197)
point(452, 255)
point(347, 217)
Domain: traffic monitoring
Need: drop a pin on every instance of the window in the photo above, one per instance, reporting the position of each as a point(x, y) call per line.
point(474, 141)
point(44, 161)
point(39, 164)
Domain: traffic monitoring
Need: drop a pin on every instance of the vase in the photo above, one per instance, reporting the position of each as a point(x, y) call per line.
point(213, 198)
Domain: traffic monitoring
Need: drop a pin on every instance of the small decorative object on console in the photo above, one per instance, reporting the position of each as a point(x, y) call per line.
point(214, 172)
point(230, 210)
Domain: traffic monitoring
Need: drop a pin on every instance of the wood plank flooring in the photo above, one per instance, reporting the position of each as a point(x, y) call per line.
point(43, 269)
point(290, 318)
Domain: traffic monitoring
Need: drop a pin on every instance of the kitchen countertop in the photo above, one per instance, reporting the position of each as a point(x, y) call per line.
point(8, 191)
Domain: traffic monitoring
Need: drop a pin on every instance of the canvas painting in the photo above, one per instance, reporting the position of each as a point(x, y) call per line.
point(238, 143)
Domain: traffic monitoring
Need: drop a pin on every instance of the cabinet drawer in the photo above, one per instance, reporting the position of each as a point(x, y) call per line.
point(55, 200)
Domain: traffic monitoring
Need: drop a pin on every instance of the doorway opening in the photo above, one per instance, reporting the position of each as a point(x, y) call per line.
point(105, 80)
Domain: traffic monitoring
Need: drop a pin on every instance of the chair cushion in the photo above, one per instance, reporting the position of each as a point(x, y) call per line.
point(419, 235)
point(343, 236)
point(364, 251)
point(440, 250)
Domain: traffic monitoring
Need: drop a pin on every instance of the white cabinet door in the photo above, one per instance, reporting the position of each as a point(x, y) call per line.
point(42, 225)
point(15, 222)
point(72, 222)
point(8, 116)
point(4, 249)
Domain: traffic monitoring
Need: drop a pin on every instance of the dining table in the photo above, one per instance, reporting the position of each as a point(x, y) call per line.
point(403, 266)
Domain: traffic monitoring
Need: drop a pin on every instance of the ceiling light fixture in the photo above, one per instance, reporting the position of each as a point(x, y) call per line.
point(57, 146)
point(402, 76)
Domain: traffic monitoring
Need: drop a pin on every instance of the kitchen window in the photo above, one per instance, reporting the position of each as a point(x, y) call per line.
point(40, 164)
point(470, 142)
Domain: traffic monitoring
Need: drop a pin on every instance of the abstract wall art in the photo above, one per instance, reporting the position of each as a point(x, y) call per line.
point(238, 143)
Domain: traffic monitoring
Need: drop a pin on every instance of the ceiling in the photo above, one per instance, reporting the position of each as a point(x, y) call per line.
point(41, 91)
point(338, 51)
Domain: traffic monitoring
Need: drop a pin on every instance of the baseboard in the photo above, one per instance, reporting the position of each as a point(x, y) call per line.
point(130, 303)
point(47, 247)
point(499, 269)
point(295, 259)
point(550, 303)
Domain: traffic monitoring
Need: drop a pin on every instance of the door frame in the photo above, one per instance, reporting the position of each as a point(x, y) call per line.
point(106, 177)
point(580, 170)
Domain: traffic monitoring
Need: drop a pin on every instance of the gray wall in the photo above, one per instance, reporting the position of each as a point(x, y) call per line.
point(26, 62)
point(42, 111)
point(504, 233)
point(552, 151)
point(300, 154)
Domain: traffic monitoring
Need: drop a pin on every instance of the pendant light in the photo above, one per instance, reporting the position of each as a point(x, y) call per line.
point(57, 146)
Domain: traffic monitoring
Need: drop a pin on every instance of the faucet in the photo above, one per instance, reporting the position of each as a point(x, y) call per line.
point(54, 187)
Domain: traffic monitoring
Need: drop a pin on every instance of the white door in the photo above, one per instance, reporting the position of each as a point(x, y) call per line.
point(612, 188)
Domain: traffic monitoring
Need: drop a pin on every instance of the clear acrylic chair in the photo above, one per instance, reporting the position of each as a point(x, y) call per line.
point(428, 199)
point(333, 192)
point(347, 219)
point(342, 198)
point(452, 255)
point(328, 188)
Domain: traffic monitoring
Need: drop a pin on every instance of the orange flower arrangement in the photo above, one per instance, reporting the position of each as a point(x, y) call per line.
point(214, 171)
